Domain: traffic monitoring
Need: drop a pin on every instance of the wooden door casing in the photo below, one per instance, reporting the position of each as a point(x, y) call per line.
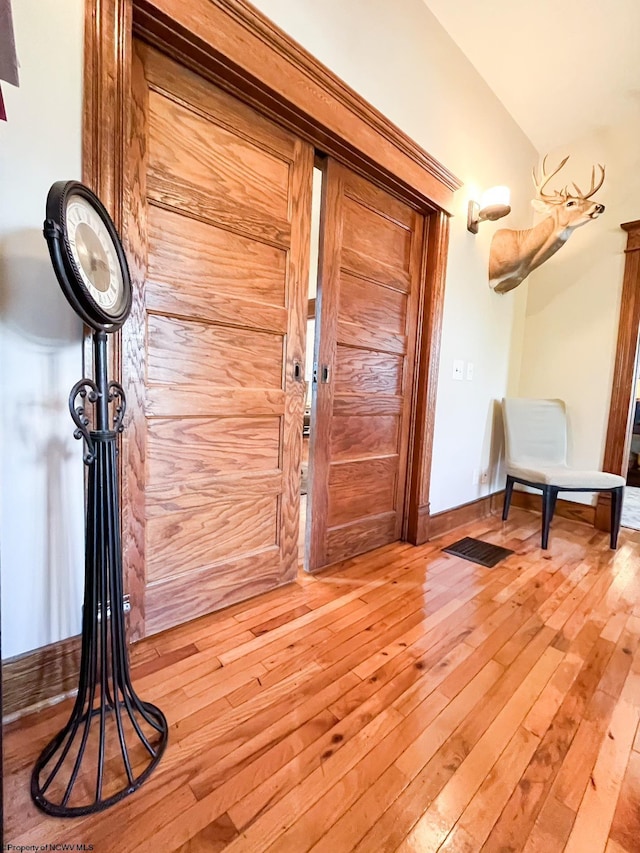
point(370, 262)
point(220, 203)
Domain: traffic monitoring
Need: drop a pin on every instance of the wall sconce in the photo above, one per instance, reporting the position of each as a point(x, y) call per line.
point(493, 205)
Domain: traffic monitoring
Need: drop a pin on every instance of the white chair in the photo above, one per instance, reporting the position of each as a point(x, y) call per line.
point(536, 455)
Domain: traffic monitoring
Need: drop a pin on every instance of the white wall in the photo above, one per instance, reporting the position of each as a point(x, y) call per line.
point(41, 546)
point(573, 306)
point(396, 54)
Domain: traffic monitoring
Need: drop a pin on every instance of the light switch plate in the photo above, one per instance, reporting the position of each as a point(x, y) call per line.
point(458, 369)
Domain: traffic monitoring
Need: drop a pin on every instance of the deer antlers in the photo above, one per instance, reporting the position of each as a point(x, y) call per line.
point(561, 195)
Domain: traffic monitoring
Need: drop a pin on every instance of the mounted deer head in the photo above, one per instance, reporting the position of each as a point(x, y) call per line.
point(514, 254)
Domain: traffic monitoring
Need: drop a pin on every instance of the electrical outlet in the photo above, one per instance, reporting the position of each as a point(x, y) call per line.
point(458, 369)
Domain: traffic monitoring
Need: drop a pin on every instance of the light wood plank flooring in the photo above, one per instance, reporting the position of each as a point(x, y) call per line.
point(404, 701)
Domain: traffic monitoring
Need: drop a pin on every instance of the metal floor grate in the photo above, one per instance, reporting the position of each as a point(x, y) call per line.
point(478, 551)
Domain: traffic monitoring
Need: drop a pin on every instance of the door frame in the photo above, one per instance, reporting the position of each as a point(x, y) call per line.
point(234, 46)
point(616, 451)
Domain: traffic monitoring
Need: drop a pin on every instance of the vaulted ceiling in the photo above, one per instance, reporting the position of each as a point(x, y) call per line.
point(562, 68)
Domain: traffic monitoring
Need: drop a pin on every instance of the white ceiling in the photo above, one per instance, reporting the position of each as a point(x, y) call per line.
point(562, 68)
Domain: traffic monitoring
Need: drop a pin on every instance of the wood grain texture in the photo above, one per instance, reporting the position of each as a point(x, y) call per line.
point(215, 466)
point(371, 253)
point(616, 449)
point(436, 242)
point(107, 91)
point(187, 352)
point(191, 256)
point(443, 522)
point(402, 700)
point(209, 448)
point(133, 366)
point(233, 43)
point(564, 508)
point(39, 676)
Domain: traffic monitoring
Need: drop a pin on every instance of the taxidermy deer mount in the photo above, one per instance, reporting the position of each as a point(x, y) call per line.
point(514, 254)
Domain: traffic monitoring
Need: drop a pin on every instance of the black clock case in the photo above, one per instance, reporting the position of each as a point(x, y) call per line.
point(67, 272)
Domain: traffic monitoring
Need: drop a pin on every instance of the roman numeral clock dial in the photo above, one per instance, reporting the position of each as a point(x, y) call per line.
point(87, 256)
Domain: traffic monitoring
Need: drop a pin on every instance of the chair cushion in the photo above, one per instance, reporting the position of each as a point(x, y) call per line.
point(535, 431)
point(566, 478)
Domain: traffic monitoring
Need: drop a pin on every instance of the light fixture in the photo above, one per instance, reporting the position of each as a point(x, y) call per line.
point(493, 205)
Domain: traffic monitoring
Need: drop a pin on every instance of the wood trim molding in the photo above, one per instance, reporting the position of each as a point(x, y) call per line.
point(564, 508)
point(449, 519)
point(622, 393)
point(107, 69)
point(236, 46)
point(39, 677)
point(108, 38)
point(436, 243)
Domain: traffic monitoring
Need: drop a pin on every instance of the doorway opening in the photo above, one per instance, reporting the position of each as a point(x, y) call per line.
point(310, 350)
point(631, 505)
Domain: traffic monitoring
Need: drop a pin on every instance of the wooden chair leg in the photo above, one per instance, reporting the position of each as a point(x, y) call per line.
point(549, 496)
point(617, 497)
point(508, 490)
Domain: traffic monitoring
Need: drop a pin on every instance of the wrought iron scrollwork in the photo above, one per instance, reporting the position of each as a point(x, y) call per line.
point(113, 740)
point(116, 393)
point(85, 390)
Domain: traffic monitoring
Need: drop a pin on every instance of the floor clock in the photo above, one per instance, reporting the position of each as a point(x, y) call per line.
point(113, 740)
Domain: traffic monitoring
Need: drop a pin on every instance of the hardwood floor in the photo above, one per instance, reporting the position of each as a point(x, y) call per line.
point(404, 701)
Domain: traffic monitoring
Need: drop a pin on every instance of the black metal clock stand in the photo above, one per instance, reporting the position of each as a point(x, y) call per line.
point(113, 736)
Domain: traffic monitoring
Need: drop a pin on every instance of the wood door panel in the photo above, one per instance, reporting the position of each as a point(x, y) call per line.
point(163, 499)
point(367, 471)
point(211, 480)
point(366, 406)
point(222, 530)
point(218, 586)
point(371, 305)
point(210, 447)
point(190, 258)
point(187, 352)
point(375, 238)
point(371, 248)
point(370, 533)
point(162, 401)
point(369, 372)
point(358, 436)
point(362, 488)
point(350, 503)
point(356, 336)
point(182, 85)
point(378, 272)
point(194, 203)
point(188, 148)
point(215, 308)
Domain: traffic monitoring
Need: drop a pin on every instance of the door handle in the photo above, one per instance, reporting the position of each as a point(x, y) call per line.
point(325, 373)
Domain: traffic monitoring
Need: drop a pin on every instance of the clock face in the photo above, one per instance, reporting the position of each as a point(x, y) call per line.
point(87, 256)
point(95, 255)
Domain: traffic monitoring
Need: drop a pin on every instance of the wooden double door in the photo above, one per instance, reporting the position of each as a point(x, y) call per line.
point(213, 354)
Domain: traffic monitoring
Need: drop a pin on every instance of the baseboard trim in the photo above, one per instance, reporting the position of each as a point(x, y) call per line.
point(37, 678)
point(449, 519)
point(566, 509)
